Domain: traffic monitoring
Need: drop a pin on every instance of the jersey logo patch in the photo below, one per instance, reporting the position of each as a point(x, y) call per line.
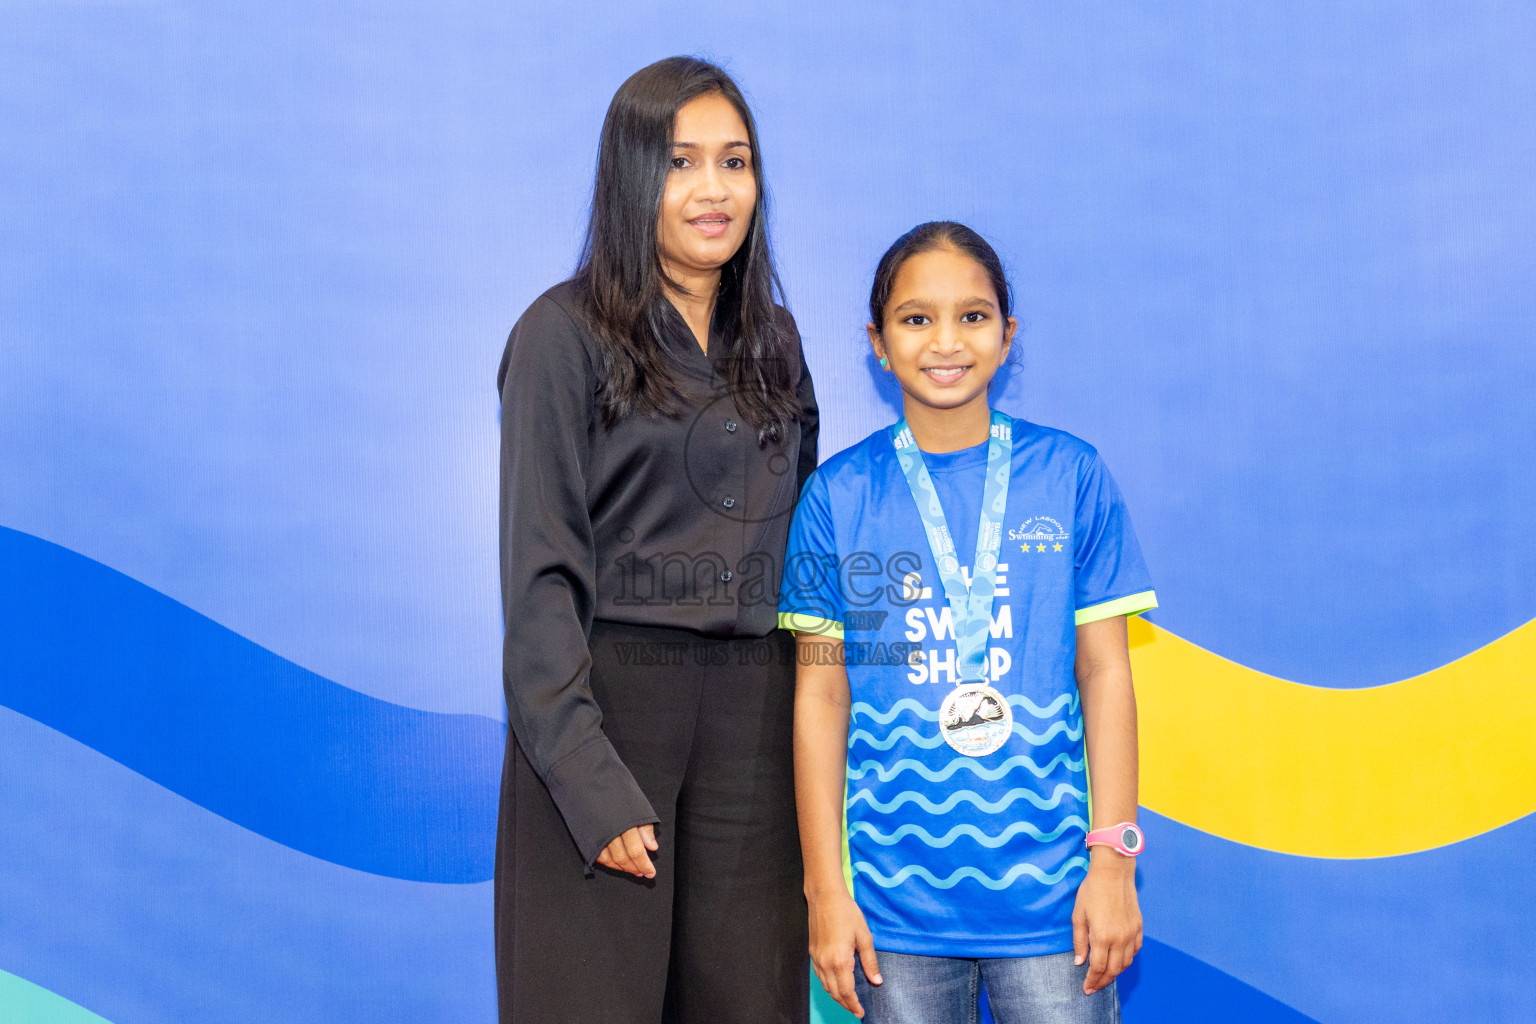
point(1039, 534)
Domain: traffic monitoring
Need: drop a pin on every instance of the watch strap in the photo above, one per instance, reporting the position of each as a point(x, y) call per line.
point(1125, 838)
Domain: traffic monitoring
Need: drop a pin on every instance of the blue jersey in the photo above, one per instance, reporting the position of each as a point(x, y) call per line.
point(946, 854)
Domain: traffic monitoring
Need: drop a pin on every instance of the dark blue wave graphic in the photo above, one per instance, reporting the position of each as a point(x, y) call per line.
point(239, 730)
point(141, 906)
point(1308, 931)
point(1164, 985)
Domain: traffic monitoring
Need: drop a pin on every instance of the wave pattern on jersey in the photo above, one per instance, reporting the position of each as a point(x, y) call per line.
point(886, 773)
point(929, 839)
point(959, 796)
point(959, 874)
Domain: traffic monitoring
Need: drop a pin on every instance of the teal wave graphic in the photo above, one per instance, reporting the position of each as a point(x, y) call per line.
point(1013, 874)
point(969, 796)
point(21, 1000)
point(1069, 701)
point(991, 842)
point(885, 773)
point(911, 735)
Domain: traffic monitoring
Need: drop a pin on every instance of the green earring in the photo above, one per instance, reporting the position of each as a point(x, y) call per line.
point(883, 364)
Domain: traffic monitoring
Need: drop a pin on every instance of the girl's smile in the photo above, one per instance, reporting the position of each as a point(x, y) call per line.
point(946, 376)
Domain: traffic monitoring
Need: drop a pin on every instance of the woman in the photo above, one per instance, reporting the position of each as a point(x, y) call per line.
point(657, 424)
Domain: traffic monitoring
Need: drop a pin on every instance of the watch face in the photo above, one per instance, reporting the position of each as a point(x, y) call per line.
point(1130, 839)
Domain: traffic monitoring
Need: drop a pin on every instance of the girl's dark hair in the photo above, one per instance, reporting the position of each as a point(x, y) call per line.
point(620, 276)
point(936, 234)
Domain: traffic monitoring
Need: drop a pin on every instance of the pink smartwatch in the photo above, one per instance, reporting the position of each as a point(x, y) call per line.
point(1125, 838)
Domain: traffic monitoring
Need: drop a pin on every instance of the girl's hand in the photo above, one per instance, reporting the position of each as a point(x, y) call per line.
point(1106, 923)
point(838, 932)
point(627, 852)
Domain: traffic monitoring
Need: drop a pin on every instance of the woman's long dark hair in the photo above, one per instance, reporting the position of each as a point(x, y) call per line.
point(620, 275)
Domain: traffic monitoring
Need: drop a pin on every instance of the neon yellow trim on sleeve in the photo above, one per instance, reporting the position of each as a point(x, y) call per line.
point(1135, 604)
point(1088, 779)
point(800, 622)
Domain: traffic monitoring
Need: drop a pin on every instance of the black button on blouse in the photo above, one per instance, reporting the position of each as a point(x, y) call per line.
point(658, 522)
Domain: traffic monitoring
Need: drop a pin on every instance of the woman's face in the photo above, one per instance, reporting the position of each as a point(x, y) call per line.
point(944, 334)
point(711, 191)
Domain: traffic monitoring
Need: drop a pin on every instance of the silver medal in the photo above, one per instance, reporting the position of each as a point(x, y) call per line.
point(975, 719)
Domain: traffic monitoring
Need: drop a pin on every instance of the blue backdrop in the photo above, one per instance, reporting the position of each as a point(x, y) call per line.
point(1278, 262)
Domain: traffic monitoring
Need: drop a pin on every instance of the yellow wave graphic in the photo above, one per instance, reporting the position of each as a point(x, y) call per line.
point(1319, 772)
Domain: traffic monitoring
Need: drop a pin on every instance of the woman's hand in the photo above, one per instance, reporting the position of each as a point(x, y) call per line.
point(628, 852)
point(1106, 922)
point(838, 932)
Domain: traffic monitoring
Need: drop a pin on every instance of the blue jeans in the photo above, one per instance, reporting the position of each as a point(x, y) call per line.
point(1020, 990)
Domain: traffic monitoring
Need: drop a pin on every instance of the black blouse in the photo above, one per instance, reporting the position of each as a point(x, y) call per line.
point(658, 522)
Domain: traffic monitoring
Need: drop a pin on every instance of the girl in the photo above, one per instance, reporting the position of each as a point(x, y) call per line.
point(657, 422)
point(945, 698)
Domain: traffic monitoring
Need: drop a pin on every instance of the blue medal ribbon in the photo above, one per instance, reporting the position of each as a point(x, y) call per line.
point(970, 607)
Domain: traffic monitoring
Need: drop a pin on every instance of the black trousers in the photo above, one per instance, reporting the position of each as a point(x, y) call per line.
point(719, 935)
